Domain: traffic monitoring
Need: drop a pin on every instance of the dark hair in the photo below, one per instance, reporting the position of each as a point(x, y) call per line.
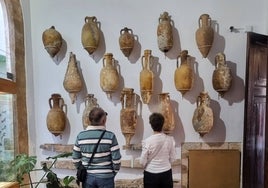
point(157, 121)
point(95, 115)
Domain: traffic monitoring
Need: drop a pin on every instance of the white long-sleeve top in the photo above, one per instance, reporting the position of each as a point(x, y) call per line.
point(164, 146)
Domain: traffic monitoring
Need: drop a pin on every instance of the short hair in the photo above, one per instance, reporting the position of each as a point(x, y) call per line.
point(95, 115)
point(157, 121)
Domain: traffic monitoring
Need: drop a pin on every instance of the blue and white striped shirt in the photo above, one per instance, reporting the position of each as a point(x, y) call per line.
point(107, 159)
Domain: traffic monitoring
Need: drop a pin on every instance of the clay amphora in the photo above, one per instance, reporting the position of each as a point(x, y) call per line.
point(222, 76)
point(90, 103)
point(203, 115)
point(204, 35)
point(109, 77)
point(90, 36)
point(146, 77)
point(126, 41)
point(164, 33)
point(183, 76)
point(56, 117)
point(128, 115)
point(166, 110)
point(52, 41)
point(72, 81)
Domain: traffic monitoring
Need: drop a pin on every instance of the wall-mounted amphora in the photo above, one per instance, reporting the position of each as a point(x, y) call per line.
point(109, 77)
point(204, 35)
point(183, 77)
point(72, 81)
point(128, 115)
point(126, 41)
point(52, 41)
point(166, 110)
point(146, 77)
point(164, 33)
point(203, 115)
point(90, 103)
point(90, 36)
point(56, 117)
point(222, 76)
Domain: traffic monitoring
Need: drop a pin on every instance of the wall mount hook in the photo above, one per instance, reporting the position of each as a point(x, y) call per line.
point(238, 30)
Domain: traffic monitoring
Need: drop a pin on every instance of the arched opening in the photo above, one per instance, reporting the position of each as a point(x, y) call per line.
point(12, 77)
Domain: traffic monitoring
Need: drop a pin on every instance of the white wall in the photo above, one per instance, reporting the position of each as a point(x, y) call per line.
point(67, 16)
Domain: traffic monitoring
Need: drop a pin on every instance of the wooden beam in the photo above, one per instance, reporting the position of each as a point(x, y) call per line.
point(8, 86)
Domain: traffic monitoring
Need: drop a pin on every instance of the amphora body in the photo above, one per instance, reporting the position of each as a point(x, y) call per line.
point(203, 115)
point(90, 103)
point(128, 115)
point(166, 110)
point(52, 41)
point(56, 117)
point(204, 35)
point(72, 81)
point(109, 77)
point(183, 77)
point(146, 77)
point(222, 76)
point(164, 33)
point(90, 35)
point(126, 41)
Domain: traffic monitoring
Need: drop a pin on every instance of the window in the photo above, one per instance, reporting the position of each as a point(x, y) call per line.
point(6, 99)
point(13, 116)
point(5, 64)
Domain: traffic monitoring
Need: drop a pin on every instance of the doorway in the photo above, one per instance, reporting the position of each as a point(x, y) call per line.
point(255, 156)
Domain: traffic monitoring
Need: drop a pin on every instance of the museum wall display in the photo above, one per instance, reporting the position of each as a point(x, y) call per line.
point(142, 71)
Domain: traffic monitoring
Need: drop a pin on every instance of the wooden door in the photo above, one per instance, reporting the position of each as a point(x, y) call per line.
point(255, 156)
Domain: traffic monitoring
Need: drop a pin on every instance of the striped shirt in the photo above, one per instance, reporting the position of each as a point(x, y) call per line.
point(107, 160)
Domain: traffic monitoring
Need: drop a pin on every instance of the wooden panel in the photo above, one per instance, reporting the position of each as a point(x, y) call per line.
point(259, 55)
point(214, 169)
